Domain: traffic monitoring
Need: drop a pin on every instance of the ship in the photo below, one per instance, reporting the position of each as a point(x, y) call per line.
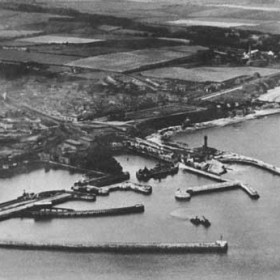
point(158, 172)
point(200, 221)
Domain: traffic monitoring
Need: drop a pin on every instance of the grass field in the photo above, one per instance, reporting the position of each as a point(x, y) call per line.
point(24, 57)
point(53, 39)
point(207, 74)
point(127, 61)
point(212, 23)
point(100, 48)
point(10, 34)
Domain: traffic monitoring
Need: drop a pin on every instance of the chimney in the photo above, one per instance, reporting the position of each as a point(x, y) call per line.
point(205, 142)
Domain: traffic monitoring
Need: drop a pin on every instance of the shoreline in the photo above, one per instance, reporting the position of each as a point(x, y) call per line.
point(26, 168)
point(174, 130)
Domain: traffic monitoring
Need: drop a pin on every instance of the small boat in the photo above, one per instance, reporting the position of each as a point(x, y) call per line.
point(205, 222)
point(200, 221)
point(182, 195)
point(196, 221)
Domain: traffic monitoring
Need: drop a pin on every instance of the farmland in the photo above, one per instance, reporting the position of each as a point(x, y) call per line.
point(98, 48)
point(27, 57)
point(128, 61)
point(213, 23)
point(10, 34)
point(52, 39)
point(207, 74)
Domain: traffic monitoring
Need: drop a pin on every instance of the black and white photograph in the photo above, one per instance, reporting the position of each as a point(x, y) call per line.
point(139, 139)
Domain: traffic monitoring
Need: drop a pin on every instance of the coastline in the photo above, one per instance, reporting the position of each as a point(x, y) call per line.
point(174, 130)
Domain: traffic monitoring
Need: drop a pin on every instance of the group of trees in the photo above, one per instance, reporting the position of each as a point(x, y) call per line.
point(97, 157)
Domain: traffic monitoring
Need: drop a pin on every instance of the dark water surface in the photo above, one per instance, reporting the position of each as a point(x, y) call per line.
point(252, 228)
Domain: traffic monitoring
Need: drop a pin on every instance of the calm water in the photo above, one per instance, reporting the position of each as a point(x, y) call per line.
point(251, 227)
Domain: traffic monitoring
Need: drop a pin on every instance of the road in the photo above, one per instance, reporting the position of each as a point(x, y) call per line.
point(219, 93)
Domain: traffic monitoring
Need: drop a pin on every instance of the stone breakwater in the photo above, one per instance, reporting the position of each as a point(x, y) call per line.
point(219, 246)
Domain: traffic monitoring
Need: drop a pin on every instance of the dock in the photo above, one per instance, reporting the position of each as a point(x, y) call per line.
point(201, 172)
point(130, 186)
point(54, 213)
point(219, 246)
point(108, 180)
point(14, 209)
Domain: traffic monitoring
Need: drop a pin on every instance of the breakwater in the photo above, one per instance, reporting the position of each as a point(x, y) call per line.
point(132, 248)
point(52, 213)
point(229, 185)
point(235, 158)
point(222, 185)
point(225, 186)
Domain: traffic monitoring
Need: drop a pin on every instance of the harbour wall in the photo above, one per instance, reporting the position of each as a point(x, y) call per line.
point(126, 248)
point(138, 208)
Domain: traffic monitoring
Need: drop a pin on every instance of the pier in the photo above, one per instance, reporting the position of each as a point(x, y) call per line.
point(229, 185)
point(219, 246)
point(225, 186)
point(235, 158)
point(201, 172)
point(14, 209)
point(69, 213)
point(130, 186)
point(105, 180)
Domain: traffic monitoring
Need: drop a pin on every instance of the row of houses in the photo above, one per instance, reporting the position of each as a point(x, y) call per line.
point(151, 149)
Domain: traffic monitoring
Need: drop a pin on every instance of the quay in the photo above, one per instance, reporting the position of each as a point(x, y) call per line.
point(201, 172)
point(14, 209)
point(104, 180)
point(229, 185)
point(130, 186)
point(235, 158)
point(219, 246)
point(69, 213)
point(103, 191)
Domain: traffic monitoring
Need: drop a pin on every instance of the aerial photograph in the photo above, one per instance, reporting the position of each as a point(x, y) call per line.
point(139, 139)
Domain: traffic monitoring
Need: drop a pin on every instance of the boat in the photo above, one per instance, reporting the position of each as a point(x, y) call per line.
point(196, 221)
point(182, 195)
point(200, 221)
point(205, 222)
point(158, 172)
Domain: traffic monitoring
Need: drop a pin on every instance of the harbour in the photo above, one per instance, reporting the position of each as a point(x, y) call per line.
point(251, 239)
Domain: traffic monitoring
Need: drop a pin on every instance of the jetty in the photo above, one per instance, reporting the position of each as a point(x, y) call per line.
point(13, 209)
point(219, 246)
point(103, 191)
point(105, 180)
point(201, 172)
point(229, 185)
point(235, 158)
point(224, 186)
point(130, 186)
point(70, 213)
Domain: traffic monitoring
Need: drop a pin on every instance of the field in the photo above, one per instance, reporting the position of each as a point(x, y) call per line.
point(128, 61)
point(186, 49)
point(207, 74)
point(24, 57)
point(10, 34)
point(52, 39)
point(103, 47)
point(212, 23)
